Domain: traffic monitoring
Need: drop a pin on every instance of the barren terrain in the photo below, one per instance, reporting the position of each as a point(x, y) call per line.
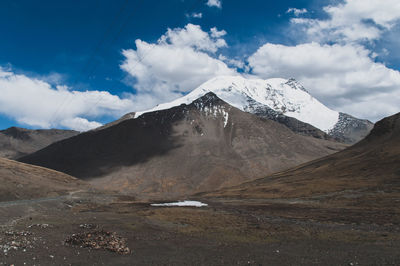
point(226, 232)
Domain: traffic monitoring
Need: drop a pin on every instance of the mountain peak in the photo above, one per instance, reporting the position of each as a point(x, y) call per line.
point(212, 105)
point(17, 133)
point(208, 98)
point(287, 97)
point(295, 85)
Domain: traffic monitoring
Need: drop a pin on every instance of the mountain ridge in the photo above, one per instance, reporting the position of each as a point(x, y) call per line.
point(16, 142)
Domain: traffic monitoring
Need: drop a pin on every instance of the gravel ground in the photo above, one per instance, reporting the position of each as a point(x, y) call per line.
point(95, 229)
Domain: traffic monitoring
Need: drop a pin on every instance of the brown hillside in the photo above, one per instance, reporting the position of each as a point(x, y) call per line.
point(367, 173)
point(22, 181)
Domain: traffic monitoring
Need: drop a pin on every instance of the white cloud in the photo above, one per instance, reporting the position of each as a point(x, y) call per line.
point(233, 62)
point(215, 3)
point(296, 11)
point(79, 123)
point(215, 33)
point(36, 103)
point(194, 15)
point(181, 60)
point(192, 36)
point(343, 76)
point(353, 20)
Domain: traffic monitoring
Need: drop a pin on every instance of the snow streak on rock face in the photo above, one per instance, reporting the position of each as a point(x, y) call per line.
point(286, 97)
point(207, 105)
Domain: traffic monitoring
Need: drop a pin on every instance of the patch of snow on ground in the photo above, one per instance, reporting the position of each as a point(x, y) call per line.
point(186, 203)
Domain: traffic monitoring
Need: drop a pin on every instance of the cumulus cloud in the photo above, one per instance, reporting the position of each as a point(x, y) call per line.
point(193, 36)
point(297, 11)
point(344, 76)
point(215, 3)
point(194, 15)
point(177, 63)
point(79, 123)
point(35, 102)
point(353, 20)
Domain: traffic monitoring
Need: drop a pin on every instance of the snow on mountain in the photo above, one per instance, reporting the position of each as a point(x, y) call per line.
point(284, 96)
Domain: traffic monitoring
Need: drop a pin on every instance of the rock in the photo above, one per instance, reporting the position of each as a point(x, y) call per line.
point(99, 239)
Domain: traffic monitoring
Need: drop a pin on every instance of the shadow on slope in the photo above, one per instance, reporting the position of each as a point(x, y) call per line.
point(99, 152)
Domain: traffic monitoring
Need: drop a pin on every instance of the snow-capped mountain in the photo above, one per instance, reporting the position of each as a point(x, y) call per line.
point(284, 96)
point(280, 96)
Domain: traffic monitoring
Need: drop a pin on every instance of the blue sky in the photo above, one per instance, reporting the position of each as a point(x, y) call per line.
point(75, 64)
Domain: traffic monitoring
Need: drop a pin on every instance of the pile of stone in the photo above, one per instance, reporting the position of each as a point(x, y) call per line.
point(99, 239)
point(16, 240)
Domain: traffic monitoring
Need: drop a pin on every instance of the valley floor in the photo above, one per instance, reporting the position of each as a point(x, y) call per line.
point(226, 232)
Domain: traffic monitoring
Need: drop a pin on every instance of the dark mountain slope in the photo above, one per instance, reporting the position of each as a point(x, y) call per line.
point(16, 142)
point(205, 145)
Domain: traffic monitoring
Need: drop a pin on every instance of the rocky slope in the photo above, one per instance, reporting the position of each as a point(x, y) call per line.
point(16, 142)
point(366, 174)
point(175, 152)
point(349, 129)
